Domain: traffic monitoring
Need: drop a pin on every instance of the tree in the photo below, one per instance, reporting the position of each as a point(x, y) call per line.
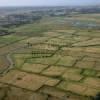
point(97, 97)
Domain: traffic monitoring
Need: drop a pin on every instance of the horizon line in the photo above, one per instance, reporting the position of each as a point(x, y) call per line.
point(46, 5)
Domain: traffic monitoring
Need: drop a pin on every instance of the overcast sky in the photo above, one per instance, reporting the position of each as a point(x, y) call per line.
point(47, 2)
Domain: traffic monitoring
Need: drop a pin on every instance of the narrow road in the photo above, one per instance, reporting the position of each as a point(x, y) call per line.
point(11, 64)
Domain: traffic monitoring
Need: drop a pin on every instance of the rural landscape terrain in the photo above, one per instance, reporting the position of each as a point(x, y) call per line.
point(50, 53)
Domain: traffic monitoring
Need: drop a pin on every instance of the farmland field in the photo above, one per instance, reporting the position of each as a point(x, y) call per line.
point(50, 60)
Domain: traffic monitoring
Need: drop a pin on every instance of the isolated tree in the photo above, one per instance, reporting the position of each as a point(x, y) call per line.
point(29, 44)
point(32, 53)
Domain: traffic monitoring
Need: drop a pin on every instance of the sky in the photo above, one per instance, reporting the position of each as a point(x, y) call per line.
point(47, 2)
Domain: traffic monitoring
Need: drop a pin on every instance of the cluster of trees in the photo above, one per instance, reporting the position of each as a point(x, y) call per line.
point(4, 31)
point(19, 19)
point(90, 10)
point(97, 97)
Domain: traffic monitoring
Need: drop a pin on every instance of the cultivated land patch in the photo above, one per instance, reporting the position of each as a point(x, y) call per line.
point(35, 68)
point(60, 65)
